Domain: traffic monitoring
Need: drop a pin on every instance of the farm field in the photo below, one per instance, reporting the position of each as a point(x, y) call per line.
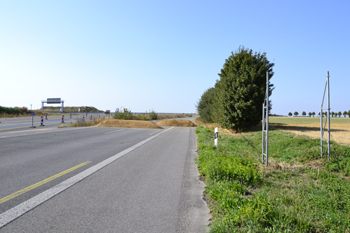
point(310, 126)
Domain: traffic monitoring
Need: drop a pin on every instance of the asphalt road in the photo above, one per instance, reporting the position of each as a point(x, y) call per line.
point(25, 123)
point(100, 180)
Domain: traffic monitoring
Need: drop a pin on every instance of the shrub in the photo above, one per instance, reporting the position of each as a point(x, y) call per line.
point(153, 115)
point(124, 116)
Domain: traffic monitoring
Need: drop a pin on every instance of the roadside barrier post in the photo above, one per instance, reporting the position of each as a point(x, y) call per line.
point(62, 118)
point(42, 121)
point(216, 137)
point(83, 118)
point(46, 116)
point(71, 115)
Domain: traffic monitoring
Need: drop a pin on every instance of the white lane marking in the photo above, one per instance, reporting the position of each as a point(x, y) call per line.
point(30, 204)
point(114, 131)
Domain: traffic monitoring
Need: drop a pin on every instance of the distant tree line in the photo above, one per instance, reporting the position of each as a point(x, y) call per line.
point(14, 111)
point(235, 102)
point(333, 114)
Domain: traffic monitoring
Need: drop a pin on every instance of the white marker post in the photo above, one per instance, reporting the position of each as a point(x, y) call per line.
point(216, 137)
point(62, 118)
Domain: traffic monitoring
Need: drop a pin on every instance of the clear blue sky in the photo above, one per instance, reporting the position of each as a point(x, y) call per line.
point(163, 55)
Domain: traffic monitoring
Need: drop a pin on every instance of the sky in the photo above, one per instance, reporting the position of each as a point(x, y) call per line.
point(162, 55)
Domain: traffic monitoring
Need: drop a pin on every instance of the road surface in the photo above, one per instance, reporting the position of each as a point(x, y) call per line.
point(25, 123)
point(100, 179)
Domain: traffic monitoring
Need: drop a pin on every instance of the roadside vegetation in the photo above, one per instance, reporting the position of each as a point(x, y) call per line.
point(85, 123)
point(235, 102)
point(72, 109)
point(152, 115)
point(298, 192)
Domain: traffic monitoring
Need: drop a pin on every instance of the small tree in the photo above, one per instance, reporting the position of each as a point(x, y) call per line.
point(310, 114)
point(303, 113)
point(313, 114)
point(339, 114)
point(345, 113)
point(335, 114)
point(296, 113)
point(290, 114)
point(332, 113)
point(349, 113)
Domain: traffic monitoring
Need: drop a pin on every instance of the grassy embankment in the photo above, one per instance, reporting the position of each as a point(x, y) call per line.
point(298, 192)
point(130, 120)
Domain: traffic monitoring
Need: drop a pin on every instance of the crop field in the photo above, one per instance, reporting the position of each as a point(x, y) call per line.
point(310, 126)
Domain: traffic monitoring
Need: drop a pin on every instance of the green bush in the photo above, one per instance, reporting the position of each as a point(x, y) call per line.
point(153, 115)
point(10, 111)
point(124, 116)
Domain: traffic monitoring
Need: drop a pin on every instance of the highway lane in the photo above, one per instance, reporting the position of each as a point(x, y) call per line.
point(23, 123)
point(150, 189)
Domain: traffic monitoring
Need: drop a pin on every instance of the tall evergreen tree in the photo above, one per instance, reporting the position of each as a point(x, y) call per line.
point(205, 105)
point(240, 92)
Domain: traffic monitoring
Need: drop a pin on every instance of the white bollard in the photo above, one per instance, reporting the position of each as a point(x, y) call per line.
point(71, 115)
point(62, 118)
point(46, 116)
point(216, 137)
point(83, 118)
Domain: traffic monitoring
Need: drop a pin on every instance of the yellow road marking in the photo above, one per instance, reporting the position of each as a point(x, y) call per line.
point(13, 195)
point(154, 132)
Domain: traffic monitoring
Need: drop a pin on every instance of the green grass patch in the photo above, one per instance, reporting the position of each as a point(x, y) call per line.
point(309, 195)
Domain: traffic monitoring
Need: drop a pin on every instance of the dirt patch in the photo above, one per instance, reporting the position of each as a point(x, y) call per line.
point(129, 124)
point(180, 123)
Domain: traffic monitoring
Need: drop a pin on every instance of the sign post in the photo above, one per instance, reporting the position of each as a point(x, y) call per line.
point(32, 115)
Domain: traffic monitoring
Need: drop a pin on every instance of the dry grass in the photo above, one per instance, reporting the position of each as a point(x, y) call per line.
point(212, 126)
point(340, 129)
point(169, 116)
point(178, 123)
point(128, 124)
